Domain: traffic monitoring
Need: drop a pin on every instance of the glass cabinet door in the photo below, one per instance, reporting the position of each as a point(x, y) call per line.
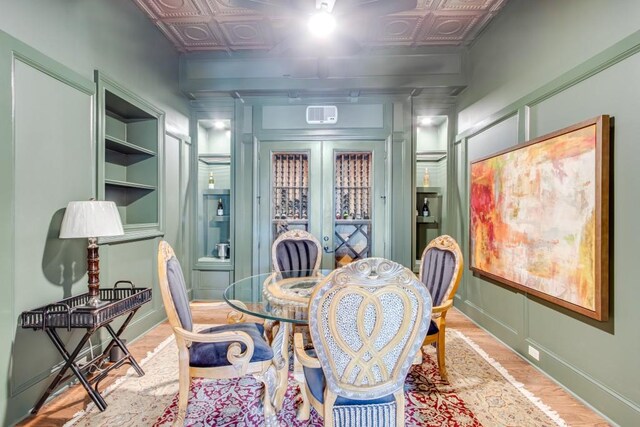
point(290, 206)
point(214, 192)
point(352, 201)
point(332, 189)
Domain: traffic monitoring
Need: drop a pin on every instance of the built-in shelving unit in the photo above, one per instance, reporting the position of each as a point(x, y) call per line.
point(214, 237)
point(129, 135)
point(216, 227)
point(427, 228)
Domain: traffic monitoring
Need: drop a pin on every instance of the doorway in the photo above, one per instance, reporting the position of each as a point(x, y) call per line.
point(333, 189)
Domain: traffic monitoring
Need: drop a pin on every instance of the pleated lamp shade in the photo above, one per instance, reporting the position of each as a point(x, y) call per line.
point(91, 218)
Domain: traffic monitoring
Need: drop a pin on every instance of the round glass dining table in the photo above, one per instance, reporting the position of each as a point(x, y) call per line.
point(276, 296)
point(282, 299)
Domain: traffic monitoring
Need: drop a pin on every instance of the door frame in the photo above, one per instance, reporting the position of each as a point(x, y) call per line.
point(316, 224)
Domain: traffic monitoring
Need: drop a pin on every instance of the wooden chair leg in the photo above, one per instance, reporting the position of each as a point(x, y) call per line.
point(304, 411)
point(399, 395)
point(269, 412)
point(327, 409)
point(183, 393)
point(441, 363)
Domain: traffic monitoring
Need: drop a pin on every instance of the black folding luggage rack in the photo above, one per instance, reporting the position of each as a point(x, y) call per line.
point(73, 313)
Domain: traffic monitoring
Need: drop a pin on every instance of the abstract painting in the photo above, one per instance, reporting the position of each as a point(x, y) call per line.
point(539, 217)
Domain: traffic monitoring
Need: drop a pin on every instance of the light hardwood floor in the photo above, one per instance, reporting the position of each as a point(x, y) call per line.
point(60, 409)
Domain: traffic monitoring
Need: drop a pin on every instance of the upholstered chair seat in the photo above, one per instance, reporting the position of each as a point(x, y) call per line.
point(212, 354)
point(367, 322)
point(226, 351)
point(317, 384)
point(440, 272)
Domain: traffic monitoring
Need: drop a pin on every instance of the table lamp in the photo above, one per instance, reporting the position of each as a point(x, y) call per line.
point(91, 219)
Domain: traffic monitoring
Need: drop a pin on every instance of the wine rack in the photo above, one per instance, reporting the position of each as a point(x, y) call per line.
point(352, 207)
point(290, 191)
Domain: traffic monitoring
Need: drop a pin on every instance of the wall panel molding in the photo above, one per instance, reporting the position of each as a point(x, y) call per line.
point(620, 51)
point(621, 404)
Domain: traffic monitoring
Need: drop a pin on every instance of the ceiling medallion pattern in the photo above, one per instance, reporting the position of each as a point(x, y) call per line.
point(218, 25)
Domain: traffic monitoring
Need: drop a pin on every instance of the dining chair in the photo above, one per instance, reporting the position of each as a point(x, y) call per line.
point(367, 322)
point(226, 351)
point(296, 251)
point(441, 271)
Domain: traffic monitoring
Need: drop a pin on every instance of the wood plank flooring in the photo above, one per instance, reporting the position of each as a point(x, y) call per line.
point(62, 408)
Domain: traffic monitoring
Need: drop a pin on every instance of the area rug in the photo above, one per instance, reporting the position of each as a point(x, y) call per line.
point(480, 392)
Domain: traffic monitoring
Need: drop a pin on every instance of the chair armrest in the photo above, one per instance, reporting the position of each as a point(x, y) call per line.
point(440, 309)
point(301, 354)
point(234, 353)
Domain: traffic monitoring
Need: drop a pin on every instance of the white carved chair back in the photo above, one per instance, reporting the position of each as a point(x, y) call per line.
point(367, 321)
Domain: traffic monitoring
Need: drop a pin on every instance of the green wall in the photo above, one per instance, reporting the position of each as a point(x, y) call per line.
point(48, 51)
point(542, 66)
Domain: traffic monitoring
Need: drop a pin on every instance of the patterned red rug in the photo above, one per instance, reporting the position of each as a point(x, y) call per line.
point(237, 403)
point(480, 392)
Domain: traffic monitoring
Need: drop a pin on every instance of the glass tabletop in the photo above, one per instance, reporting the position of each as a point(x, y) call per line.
point(276, 296)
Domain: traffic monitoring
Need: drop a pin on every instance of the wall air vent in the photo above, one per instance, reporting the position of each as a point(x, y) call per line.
point(322, 114)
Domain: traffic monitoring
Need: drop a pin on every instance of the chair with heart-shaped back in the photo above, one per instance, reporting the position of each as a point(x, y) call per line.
point(296, 253)
point(441, 271)
point(367, 322)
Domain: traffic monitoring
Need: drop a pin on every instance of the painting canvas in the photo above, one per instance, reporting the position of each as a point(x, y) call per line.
point(539, 217)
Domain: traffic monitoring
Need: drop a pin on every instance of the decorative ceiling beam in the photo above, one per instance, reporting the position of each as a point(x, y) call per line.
point(202, 73)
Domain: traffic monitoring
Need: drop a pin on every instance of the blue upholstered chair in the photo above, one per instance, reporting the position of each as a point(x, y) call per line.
point(367, 322)
point(226, 351)
point(296, 251)
point(441, 271)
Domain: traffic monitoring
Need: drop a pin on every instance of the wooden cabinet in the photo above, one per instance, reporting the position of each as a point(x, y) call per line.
point(129, 134)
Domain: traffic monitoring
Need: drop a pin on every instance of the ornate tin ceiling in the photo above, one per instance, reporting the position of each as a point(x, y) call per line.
point(216, 25)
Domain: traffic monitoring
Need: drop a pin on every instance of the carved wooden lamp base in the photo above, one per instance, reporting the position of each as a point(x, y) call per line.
point(93, 269)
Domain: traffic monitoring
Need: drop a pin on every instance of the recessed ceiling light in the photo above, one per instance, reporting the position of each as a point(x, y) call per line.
point(218, 124)
point(426, 121)
point(322, 24)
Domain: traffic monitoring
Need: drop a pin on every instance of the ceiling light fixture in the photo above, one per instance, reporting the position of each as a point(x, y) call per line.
point(219, 124)
point(322, 23)
point(426, 121)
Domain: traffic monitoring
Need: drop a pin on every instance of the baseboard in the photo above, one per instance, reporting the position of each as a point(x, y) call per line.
point(613, 407)
point(617, 409)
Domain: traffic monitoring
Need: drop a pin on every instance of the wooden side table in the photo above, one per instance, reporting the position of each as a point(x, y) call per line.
point(71, 313)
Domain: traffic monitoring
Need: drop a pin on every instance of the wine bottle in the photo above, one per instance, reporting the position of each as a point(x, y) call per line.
point(220, 208)
point(425, 178)
point(212, 181)
point(425, 208)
